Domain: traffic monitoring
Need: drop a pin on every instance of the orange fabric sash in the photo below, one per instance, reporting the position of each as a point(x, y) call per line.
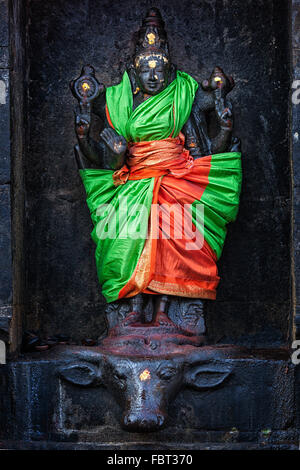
point(155, 158)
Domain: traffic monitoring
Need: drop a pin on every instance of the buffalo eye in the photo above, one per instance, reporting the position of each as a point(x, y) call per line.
point(120, 379)
point(166, 373)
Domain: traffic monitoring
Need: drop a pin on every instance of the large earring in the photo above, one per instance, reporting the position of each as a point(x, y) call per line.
point(133, 79)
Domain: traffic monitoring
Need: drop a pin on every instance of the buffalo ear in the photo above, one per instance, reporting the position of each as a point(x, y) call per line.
point(204, 376)
point(85, 375)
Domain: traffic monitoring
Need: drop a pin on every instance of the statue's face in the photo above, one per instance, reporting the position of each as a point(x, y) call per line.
point(152, 73)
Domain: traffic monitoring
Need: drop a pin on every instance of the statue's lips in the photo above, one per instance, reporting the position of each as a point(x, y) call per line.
point(153, 85)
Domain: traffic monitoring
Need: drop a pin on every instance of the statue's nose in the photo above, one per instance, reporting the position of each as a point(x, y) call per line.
point(152, 74)
point(143, 422)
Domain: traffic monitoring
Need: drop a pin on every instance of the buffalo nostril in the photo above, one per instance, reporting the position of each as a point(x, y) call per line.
point(127, 420)
point(160, 420)
point(143, 423)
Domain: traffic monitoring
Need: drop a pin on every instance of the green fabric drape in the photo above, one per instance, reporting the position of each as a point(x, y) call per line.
point(120, 217)
point(154, 118)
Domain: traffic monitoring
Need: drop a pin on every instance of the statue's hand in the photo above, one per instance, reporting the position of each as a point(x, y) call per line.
point(224, 114)
point(235, 145)
point(82, 122)
point(115, 142)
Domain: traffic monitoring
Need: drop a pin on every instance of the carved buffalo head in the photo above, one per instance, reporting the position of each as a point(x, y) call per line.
point(145, 387)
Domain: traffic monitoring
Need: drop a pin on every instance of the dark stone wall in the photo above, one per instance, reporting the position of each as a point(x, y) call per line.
point(296, 158)
point(250, 40)
point(5, 179)
point(18, 132)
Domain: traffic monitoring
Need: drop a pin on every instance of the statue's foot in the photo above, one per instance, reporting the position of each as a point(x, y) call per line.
point(162, 319)
point(131, 318)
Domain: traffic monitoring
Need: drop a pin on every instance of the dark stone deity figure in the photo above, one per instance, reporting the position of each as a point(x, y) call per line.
point(162, 182)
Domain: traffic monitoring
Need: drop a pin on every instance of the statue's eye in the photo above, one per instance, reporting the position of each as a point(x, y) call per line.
point(166, 373)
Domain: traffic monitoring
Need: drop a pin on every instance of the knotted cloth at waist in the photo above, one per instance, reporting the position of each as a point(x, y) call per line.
point(155, 158)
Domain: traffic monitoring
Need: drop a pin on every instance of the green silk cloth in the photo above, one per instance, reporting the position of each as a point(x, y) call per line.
point(117, 254)
point(154, 118)
point(220, 199)
point(120, 214)
point(120, 217)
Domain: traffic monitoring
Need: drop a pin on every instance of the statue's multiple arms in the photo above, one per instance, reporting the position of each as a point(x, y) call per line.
point(91, 149)
point(224, 118)
point(109, 152)
point(211, 100)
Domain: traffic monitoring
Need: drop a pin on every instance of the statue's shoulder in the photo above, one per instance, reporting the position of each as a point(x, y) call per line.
point(203, 100)
point(99, 105)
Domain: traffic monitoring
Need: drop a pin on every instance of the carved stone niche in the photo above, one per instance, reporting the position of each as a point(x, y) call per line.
point(255, 304)
point(145, 383)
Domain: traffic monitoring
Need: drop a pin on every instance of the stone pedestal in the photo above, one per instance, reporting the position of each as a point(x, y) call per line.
point(253, 408)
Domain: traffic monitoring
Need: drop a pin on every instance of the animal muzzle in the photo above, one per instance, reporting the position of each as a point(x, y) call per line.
point(143, 421)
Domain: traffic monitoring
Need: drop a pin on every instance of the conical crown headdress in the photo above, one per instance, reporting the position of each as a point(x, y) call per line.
point(152, 36)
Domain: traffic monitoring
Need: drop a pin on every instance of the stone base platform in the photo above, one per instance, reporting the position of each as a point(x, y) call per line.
point(257, 408)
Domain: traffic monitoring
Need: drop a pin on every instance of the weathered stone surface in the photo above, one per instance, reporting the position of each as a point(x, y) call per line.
point(4, 23)
point(148, 448)
point(5, 247)
point(6, 289)
point(18, 93)
point(6, 263)
point(297, 396)
point(5, 322)
point(62, 287)
point(296, 158)
point(249, 327)
point(258, 242)
point(296, 25)
point(296, 63)
point(4, 57)
point(4, 127)
point(63, 260)
point(296, 147)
